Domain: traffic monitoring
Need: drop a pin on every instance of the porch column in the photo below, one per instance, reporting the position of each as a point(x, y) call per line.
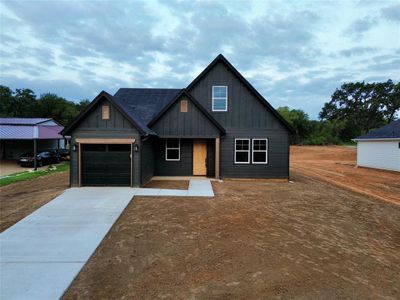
point(217, 154)
point(34, 154)
point(79, 165)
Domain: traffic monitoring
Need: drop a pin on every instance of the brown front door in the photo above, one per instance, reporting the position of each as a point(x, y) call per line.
point(199, 157)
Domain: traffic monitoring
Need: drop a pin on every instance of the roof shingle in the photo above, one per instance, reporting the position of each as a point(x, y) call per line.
point(142, 103)
point(390, 131)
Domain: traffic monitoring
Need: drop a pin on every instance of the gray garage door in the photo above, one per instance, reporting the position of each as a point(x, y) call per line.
point(106, 165)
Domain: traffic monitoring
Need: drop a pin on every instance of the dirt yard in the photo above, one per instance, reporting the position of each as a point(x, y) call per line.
point(254, 240)
point(19, 199)
point(337, 165)
point(8, 167)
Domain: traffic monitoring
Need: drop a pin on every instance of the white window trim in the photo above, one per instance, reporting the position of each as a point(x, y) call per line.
point(225, 98)
point(248, 151)
point(266, 151)
point(170, 148)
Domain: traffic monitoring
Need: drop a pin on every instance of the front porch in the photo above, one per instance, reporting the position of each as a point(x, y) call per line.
point(187, 157)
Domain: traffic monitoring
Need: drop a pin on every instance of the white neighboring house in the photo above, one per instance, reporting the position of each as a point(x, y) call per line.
point(380, 148)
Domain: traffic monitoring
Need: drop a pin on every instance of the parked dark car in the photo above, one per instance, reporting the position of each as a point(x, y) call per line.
point(46, 157)
point(64, 154)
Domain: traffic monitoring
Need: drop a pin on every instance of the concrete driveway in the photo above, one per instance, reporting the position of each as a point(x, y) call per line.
point(42, 254)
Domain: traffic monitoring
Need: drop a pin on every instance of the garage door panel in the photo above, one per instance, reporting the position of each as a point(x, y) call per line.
point(106, 165)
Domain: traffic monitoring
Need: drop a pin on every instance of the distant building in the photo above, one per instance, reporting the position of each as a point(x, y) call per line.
point(19, 135)
point(380, 148)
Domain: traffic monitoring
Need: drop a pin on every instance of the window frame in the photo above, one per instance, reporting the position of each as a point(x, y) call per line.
point(266, 151)
point(219, 98)
point(248, 151)
point(172, 148)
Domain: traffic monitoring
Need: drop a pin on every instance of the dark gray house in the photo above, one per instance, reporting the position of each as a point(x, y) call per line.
point(218, 126)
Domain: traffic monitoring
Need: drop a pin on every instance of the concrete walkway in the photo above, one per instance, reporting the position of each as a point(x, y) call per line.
point(41, 255)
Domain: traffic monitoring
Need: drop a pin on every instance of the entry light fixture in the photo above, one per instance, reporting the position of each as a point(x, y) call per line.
point(73, 148)
point(136, 147)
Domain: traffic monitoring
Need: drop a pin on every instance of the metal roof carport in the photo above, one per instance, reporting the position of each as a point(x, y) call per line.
point(29, 129)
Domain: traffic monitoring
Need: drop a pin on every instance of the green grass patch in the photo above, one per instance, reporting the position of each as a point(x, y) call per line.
point(27, 175)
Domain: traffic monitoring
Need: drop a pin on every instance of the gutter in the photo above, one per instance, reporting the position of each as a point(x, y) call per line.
point(377, 140)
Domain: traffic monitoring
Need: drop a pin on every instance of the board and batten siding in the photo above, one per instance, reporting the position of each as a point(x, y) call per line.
point(277, 155)
point(93, 126)
point(183, 167)
point(248, 118)
point(190, 124)
point(147, 161)
point(379, 154)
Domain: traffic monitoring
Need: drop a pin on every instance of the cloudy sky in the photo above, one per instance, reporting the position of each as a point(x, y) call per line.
point(294, 52)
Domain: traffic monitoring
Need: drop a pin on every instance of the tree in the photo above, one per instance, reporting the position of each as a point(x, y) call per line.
point(388, 94)
point(82, 104)
point(6, 101)
point(23, 103)
point(363, 106)
point(300, 122)
point(52, 106)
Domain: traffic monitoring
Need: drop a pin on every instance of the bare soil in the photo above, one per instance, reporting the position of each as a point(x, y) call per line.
point(168, 184)
point(254, 240)
point(337, 165)
point(20, 199)
point(8, 167)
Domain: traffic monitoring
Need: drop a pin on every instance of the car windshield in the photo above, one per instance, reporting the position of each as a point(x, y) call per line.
point(30, 154)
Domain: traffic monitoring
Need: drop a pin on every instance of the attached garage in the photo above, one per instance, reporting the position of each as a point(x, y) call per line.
point(105, 162)
point(106, 165)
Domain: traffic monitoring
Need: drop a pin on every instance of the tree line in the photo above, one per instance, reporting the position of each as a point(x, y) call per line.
point(354, 109)
point(24, 103)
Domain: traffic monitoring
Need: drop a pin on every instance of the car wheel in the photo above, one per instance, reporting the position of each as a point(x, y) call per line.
point(40, 163)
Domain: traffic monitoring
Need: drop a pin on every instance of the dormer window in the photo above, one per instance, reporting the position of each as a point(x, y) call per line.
point(219, 98)
point(105, 112)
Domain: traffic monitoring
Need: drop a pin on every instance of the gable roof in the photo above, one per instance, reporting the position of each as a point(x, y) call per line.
point(144, 103)
point(184, 92)
point(221, 58)
point(390, 131)
point(138, 123)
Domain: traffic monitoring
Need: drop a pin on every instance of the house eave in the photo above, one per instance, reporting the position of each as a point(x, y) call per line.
point(377, 140)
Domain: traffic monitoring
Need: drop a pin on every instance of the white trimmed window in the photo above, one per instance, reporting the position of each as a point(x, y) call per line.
point(172, 149)
point(260, 151)
point(242, 151)
point(219, 98)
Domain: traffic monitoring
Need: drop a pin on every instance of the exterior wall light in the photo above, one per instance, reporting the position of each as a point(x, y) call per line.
point(136, 147)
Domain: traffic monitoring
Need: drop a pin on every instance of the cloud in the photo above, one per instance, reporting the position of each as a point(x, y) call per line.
point(391, 13)
point(357, 51)
point(359, 27)
point(295, 54)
